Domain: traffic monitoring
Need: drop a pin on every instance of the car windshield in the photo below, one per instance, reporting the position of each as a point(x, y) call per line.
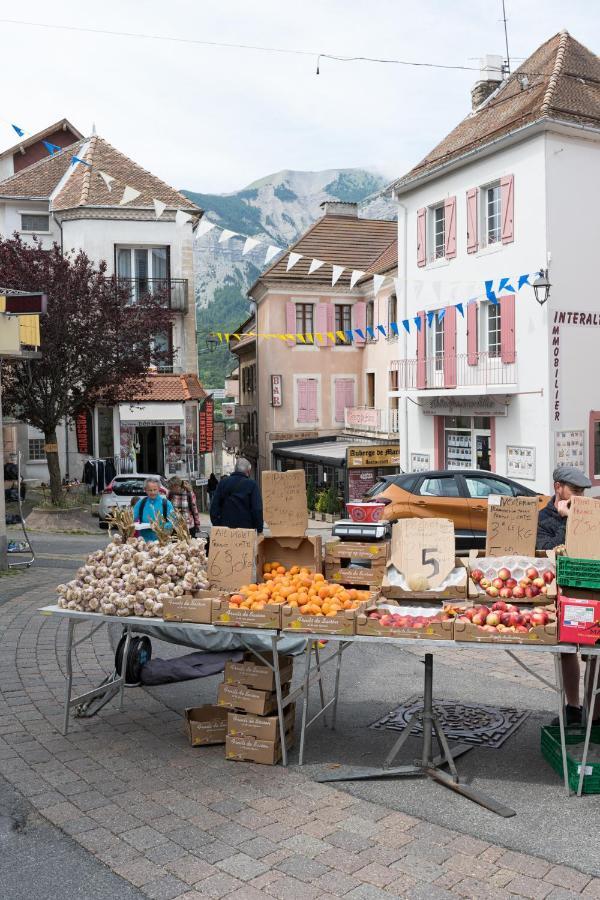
point(129, 487)
point(377, 488)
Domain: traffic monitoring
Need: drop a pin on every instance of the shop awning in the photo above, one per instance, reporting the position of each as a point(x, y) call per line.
point(328, 453)
point(151, 413)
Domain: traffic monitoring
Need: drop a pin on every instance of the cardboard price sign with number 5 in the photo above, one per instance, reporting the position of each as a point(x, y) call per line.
point(424, 547)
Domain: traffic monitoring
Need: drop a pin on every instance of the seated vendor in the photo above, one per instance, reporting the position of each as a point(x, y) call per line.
point(552, 528)
point(148, 508)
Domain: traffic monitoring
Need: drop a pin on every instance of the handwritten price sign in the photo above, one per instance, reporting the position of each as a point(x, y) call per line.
point(284, 502)
point(231, 557)
point(424, 547)
point(583, 528)
point(511, 525)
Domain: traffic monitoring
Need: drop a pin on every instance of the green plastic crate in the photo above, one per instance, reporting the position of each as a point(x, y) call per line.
point(550, 743)
point(578, 573)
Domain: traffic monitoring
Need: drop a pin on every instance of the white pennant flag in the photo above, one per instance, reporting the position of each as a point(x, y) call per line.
point(437, 290)
point(181, 218)
point(226, 234)
point(377, 282)
point(159, 207)
point(315, 264)
point(337, 271)
point(271, 252)
point(129, 194)
point(356, 275)
point(250, 244)
point(293, 258)
point(107, 179)
point(204, 227)
point(418, 290)
point(399, 286)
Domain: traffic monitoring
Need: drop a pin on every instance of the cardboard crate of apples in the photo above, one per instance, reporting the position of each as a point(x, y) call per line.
point(428, 620)
point(502, 621)
point(513, 578)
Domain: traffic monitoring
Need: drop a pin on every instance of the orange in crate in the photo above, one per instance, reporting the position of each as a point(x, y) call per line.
point(297, 587)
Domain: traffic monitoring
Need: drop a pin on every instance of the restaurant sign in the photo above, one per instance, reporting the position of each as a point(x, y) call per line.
point(367, 456)
point(465, 406)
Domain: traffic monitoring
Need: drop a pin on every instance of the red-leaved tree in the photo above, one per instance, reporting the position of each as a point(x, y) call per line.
point(95, 343)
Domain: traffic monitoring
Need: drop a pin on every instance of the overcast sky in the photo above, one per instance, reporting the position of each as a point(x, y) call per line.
point(214, 119)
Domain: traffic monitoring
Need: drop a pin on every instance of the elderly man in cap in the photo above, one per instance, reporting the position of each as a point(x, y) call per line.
point(552, 528)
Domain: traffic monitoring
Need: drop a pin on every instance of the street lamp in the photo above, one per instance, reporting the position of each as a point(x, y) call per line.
point(211, 343)
point(541, 287)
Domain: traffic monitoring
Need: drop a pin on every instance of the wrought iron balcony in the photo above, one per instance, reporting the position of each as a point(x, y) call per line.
point(461, 370)
point(172, 292)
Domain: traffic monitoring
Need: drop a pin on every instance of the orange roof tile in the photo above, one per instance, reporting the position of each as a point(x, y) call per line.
point(170, 388)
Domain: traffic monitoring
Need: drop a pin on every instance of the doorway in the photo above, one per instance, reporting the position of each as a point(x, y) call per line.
point(370, 390)
point(150, 456)
point(468, 442)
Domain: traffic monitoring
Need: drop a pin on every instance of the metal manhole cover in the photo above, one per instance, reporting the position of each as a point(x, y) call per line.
point(484, 726)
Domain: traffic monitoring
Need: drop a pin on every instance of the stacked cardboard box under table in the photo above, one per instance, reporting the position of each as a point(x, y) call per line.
point(356, 563)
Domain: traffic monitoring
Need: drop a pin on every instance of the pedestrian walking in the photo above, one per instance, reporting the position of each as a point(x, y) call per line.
point(237, 502)
point(183, 499)
point(148, 508)
point(211, 487)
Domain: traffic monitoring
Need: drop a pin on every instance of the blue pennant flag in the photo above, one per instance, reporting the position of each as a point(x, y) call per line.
point(441, 314)
point(505, 285)
point(430, 316)
point(349, 335)
point(394, 327)
point(523, 279)
point(19, 131)
point(360, 333)
point(379, 328)
point(51, 148)
point(406, 324)
point(489, 292)
point(418, 322)
point(460, 308)
point(77, 159)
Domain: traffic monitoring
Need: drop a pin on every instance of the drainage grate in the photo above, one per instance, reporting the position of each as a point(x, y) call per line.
point(484, 726)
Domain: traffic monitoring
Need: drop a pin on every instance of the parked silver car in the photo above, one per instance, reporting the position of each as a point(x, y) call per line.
point(122, 490)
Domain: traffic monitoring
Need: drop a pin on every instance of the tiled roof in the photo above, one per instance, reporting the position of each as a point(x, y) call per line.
point(385, 262)
point(84, 187)
point(62, 124)
point(170, 388)
point(562, 83)
point(338, 240)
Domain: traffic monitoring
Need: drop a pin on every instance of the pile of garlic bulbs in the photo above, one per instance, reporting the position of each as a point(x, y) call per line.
point(134, 578)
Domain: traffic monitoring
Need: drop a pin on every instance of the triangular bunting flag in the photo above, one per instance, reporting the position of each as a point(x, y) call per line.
point(129, 194)
point(319, 336)
point(19, 131)
point(377, 282)
point(441, 314)
point(77, 159)
point(220, 336)
point(159, 207)
point(271, 252)
point(226, 338)
point(315, 264)
point(341, 336)
point(331, 336)
point(460, 308)
point(523, 279)
point(418, 322)
point(309, 339)
point(357, 274)
point(250, 244)
point(505, 285)
point(489, 292)
point(300, 338)
point(349, 336)
point(394, 328)
point(225, 235)
point(430, 316)
point(107, 179)
point(381, 329)
point(337, 271)
point(51, 148)
point(293, 258)
point(418, 290)
point(182, 218)
point(204, 226)
point(370, 332)
point(360, 333)
point(399, 286)
point(406, 324)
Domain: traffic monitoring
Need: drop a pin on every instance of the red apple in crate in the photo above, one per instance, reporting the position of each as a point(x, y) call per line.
point(532, 591)
point(484, 583)
point(522, 629)
point(548, 576)
point(489, 628)
point(539, 582)
point(386, 620)
point(374, 615)
point(524, 582)
point(544, 590)
point(492, 591)
point(493, 619)
point(498, 583)
point(531, 573)
point(479, 618)
point(538, 618)
point(506, 592)
point(514, 618)
point(518, 593)
point(476, 575)
point(500, 604)
point(511, 583)
point(512, 608)
point(463, 619)
point(468, 613)
point(504, 574)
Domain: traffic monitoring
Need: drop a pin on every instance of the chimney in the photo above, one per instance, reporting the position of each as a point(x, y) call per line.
point(339, 208)
point(490, 76)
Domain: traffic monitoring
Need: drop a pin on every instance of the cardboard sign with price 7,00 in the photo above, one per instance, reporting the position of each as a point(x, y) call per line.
point(231, 557)
point(424, 547)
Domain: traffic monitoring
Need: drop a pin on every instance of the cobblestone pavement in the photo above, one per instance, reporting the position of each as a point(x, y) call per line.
point(178, 823)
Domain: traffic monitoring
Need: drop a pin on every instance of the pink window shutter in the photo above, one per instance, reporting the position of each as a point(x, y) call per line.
point(290, 320)
point(359, 321)
point(341, 398)
point(450, 347)
point(421, 239)
point(421, 361)
point(507, 329)
point(350, 392)
point(321, 324)
point(311, 397)
point(330, 322)
point(472, 223)
point(507, 196)
point(472, 349)
point(450, 227)
point(302, 388)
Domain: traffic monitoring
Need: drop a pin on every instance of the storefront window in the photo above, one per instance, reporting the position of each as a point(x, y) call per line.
point(467, 442)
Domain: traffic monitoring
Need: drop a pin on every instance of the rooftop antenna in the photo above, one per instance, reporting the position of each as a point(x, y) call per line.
point(507, 63)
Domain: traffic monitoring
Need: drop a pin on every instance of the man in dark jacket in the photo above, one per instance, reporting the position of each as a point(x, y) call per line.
point(237, 502)
point(552, 528)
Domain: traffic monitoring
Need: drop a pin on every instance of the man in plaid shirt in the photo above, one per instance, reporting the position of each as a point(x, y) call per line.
point(183, 499)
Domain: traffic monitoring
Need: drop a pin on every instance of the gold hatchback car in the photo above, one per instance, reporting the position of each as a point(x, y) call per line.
point(460, 496)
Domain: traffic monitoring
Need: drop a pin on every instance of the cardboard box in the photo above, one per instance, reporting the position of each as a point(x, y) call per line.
point(243, 748)
point(511, 525)
point(342, 623)
point(454, 589)
point(240, 697)
point(231, 557)
point(224, 614)
point(544, 560)
point(264, 728)
point(579, 616)
point(540, 634)
point(295, 550)
point(375, 551)
point(196, 607)
point(433, 631)
point(355, 575)
point(285, 508)
point(255, 674)
point(206, 725)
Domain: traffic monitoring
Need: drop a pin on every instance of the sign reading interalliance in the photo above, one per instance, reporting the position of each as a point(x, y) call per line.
point(372, 455)
point(587, 319)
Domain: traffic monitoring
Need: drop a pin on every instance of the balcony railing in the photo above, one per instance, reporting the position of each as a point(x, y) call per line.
point(172, 292)
point(366, 420)
point(461, 370)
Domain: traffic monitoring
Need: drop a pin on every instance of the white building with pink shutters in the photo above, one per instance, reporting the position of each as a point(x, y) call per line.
point(509, 386)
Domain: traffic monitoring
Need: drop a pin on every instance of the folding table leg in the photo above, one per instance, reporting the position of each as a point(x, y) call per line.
point(560, 690)
point(320, 680)
point(308, 655)
point(336, 687)
point(69, 664)
point(279, 694)
point(588, 727)
point(123, 672)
